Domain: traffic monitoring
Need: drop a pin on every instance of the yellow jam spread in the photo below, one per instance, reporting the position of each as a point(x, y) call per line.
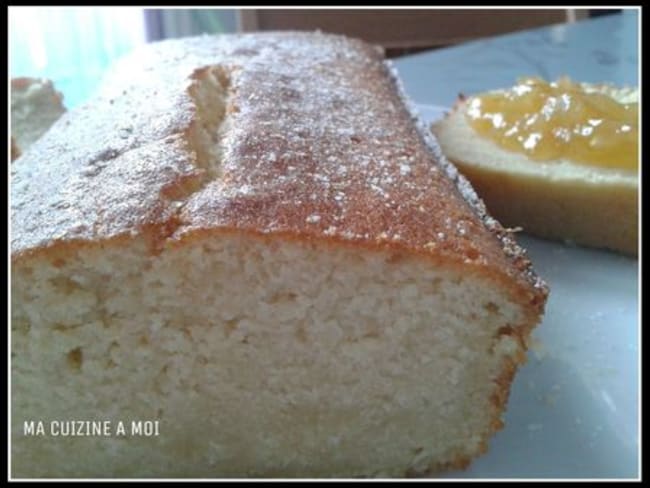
point(557, 120)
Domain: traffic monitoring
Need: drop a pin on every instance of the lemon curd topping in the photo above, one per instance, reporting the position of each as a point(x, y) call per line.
point(556, 120)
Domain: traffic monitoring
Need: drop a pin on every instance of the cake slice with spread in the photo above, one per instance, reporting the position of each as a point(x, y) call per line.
point(560, 160)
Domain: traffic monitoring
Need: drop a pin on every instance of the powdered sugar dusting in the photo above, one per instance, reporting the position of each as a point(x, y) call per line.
point(313, 138)
point(320, 140)
point(508, 243)
point(313, 219)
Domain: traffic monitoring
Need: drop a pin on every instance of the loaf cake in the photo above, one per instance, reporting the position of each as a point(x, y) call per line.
point(35, 106)
point(251, 240)
point(558, 198)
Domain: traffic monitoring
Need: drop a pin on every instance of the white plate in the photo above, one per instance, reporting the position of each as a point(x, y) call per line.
point(573, 408)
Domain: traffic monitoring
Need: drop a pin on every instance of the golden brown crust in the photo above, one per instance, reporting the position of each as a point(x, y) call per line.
point(15, 150)
point(320, 146)
point(23, 82)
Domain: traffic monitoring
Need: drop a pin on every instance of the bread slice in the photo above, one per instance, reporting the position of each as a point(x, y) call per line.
point(35, 106)
point(250, 239)
point(558, 199)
